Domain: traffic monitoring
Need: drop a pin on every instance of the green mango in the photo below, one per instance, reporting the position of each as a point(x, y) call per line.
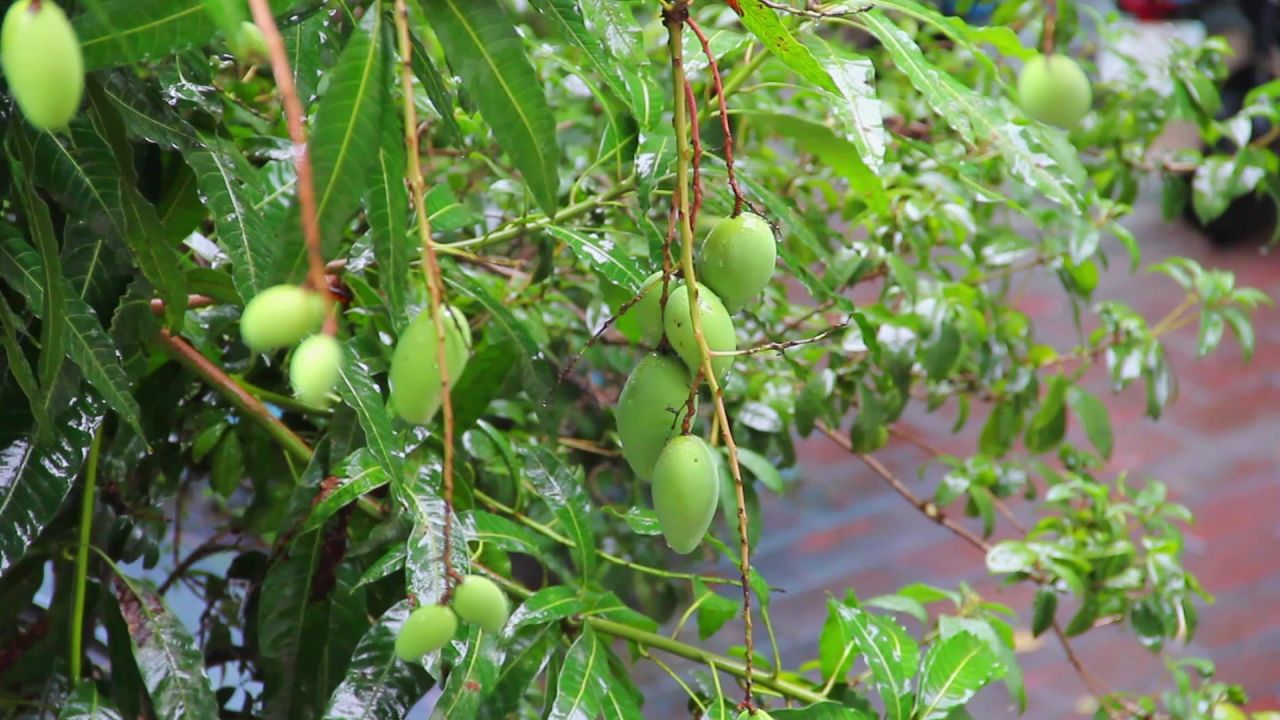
point(280, 316)
point(426, 630)
point(717, 328)
point(415, 364)
point(737, 259)
point(1054, 90)
point(645, 317)
point(686, 491)
point(314, 369)
point(480, 601)
point(43, 63)
point(651, 410)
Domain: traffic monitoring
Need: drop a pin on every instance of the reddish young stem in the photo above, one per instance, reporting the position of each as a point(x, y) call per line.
point(724, 113)
point(695, 139)
point(298, 136)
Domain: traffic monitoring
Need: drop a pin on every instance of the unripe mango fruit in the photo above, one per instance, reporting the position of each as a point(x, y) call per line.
point(314, 369)
point(415, 364)
point(651, 410)
point(280, 316)
point(717, 328)
point(43, 63)
point(426, 630)
point(646, 314)
point(479, 600)
point(1053, 89)
point(249, 44)
point(737, 259)
point(686, 490)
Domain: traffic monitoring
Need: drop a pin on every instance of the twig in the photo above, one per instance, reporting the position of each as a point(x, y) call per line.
point(183, 352)
point(782, 346)
point(724, 114)
point(298, 136)
point(435, 286)
point(696, 142)
point(1050, 26)
point(212, 546)
point(675, 18)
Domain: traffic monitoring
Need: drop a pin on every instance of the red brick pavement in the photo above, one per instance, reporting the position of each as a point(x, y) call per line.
point(1217, 448)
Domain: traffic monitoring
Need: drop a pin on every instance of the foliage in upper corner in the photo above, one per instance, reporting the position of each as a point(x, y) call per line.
point(883, 146)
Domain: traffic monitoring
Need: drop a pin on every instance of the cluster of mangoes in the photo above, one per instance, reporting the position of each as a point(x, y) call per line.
point(283, 315)
point(735, 263)
point(477, 600)
point(43, 63)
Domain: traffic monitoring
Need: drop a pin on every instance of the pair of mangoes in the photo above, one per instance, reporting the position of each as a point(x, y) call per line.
point(736, 262)
point(477, 600)
point(286, 314)
point(43, 63)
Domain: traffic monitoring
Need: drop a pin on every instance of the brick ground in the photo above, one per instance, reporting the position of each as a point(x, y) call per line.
point(1216, 448)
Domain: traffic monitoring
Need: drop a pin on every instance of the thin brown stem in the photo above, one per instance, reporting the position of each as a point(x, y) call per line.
point(696, 140)
point(784, 345)
point(675, 17)
point(184, 353)
point(435, 285)
point(718, 83)
point(1050, 26)
point(298, 136)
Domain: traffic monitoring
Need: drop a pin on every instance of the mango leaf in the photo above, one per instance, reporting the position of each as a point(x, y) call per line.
point(362, 394)
point(378, 684)
point(504, 533)
point(88, 344)
point(765, 24)
point(603, 255)
point(528, 654)
point(1095, 419)
point(361, 474)
point(485, 51)
point(568, 19)
point(578, 691)
point(291, 629)
point(999, 639)
point(344, 140)
point(560, 487)
point(823, 711)
point(954, 671)
point(537, 373)
point(439, 95)
point(1027, 148)
point(35, 477)
point(230, 187)
point(890, 653)
point(86, 704)
point(388, 213)
point(167, 656)
point(425, 546)
point(348, 619)
point(859, 115)
point(714, 610)
point(1049, 423)
point(546, 606)
point(117, 32)
point(472, 678)
point(20, 368)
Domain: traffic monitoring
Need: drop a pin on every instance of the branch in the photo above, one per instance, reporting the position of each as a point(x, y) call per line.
point(435, 285)
point(298, 135)
point(675, 18)
point(714, 67)
point(183, 352)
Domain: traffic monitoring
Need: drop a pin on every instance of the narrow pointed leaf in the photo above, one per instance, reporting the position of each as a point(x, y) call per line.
point(578, 693)
point(472, 678)
point(363, 395)
point(890, 653)
point(388, 213)
point(954, 671)
point(483, 48)
point(602, 255)
point(230, 188)
point(566, 15)
point(378, 684)
point(167, 656)
point(35, 477)
point(85, 703)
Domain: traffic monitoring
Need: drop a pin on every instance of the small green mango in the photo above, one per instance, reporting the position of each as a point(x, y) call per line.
point(1053, 89)
point(717, 328)
point(651, 410)
point(249, 44)
point(314, 369)
point(737, 259)
point(646, 315)
point(426, 630)
point(280, 316)
point(686, 490)
point(415, 364)
point(480, 601)
point(42, 62)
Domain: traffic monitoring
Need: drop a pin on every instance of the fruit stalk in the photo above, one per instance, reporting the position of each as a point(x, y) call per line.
point(82, 553)
point(293, 112)
point(675, 17)
point(716, 81)
point(435, 286)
